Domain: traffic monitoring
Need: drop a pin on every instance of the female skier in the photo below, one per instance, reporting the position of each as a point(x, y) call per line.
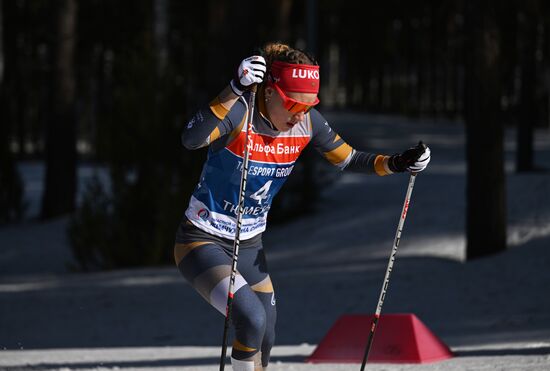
point(284, 123)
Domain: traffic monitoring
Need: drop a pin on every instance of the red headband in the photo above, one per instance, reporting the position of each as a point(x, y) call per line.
point(300, 78)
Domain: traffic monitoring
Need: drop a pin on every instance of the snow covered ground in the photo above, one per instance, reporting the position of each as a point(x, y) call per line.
point(494, 312)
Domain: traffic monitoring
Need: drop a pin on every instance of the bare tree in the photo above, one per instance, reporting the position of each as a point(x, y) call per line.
point(60, 185)
point(160, 31)
point(11, 187)
point(486, 191)
point(527, 105)
point(1, 43)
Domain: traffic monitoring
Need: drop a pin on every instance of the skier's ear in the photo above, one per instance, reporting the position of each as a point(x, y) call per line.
point(268, 92)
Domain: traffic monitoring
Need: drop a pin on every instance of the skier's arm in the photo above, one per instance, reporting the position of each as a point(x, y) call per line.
point(224, 114)
point(341, 154)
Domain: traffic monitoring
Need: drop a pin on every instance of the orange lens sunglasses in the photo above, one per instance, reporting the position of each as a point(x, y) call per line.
point(292, 105)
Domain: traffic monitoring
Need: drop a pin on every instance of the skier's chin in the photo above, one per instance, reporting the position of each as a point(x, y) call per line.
point(285, 126)
point(289, 125)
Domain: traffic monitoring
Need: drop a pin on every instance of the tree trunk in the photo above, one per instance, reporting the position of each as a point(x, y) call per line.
point(486, 192)
point(433, 62)
point(160, 30)
point(311, 26)
point(60, 186)
point(282, 29)
point(527, 106)
point(11, 187)
point(1, 43)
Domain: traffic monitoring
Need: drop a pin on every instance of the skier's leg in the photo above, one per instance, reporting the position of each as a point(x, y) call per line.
point(264, 291)
point(207, 267)
point(256, 274)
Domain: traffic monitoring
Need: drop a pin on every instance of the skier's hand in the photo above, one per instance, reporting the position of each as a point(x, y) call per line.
point(414, 159)
point(251, 71)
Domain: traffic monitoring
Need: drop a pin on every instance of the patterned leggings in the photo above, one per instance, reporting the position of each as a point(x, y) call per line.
point(205, 262)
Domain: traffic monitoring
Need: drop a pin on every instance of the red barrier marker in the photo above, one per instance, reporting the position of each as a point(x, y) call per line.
point(400, 338)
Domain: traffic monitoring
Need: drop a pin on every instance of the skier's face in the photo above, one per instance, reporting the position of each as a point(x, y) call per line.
point(282, 110)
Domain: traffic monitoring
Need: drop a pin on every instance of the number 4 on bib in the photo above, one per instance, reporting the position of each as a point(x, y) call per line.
point(262, 193)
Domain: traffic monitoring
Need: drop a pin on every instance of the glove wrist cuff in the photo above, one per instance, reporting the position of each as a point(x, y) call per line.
point(394, 164)
point(236, 87)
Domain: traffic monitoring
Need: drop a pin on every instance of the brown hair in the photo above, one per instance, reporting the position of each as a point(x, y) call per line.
point(276, 51)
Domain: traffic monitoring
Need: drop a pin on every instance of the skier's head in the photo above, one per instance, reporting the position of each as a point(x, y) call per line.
point(291, 86)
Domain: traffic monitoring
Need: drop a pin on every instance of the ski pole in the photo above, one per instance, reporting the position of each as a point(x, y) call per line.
point(389, 269)
point(240, 212)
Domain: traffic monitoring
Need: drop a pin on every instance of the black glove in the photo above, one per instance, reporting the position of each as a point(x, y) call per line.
point(414, 159)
